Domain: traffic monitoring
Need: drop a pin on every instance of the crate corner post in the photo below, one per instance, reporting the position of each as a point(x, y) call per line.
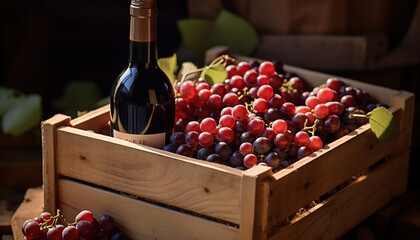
point(49, 132)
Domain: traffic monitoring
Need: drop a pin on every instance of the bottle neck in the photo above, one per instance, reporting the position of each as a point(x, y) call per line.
point(143, 53)
point(143, 24)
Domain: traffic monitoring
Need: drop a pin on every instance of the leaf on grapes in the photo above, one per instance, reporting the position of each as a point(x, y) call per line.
point(25, 115)
point(214, 74)
point(383, 124)
point(195, 33)
point(186, 68)
point(8, 98)
point(234, 32)
point(169, 66)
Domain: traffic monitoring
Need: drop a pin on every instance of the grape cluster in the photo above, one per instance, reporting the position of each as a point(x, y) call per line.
point(263, 115)
point(49, 227)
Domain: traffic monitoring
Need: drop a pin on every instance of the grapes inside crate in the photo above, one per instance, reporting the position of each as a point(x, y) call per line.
point(284, 156)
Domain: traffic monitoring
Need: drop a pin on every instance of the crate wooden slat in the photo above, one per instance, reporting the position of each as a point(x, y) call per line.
point(218, 201)
point(153, 222)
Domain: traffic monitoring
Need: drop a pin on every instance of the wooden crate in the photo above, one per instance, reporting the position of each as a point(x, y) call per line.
point(154, 194)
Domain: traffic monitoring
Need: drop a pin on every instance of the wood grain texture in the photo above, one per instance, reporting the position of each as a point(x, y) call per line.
point(311, 177)
point(49, 158)
point(138, 219)
point(351, 205)
point(251, 179)
point(206, 188)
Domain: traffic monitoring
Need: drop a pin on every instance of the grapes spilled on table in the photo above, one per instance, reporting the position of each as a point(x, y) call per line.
point(262, 115)
point(85, 226)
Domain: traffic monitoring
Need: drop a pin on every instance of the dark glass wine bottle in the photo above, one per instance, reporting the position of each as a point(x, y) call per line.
point(142, 97)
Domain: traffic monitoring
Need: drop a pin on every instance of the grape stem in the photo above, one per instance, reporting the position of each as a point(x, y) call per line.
point(310, 129)
point(353, 115)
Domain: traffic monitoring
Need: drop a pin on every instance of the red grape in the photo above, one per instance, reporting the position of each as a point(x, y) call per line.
point(256, 126)
point(276, 81)
point(266, 68)
point(250, 78)
point(282, 141)
point(262, 145)
point(301, 138)
point(334, 84)
point(239, 112)
point(187, 89)
point(312, 102)
point(204, 95)
point(215, 101)
point(226, 134)
point(237, 82)
point(32, 230)
point(218, 89)
point(266, 92)
point(279, 126)
point(321, 111)
point(260, 105)
point(325, 95)
point(208, 125)
point(106, 223)
point(232, 71)
point(263, 80)
point(227, 121)
point(230, 100)
point(315, 143)
point(303, 151)
point(193, 126)
point(192, 138)
point(243, 67)
point(205, 139)
point(246, 148)
point(250, 160)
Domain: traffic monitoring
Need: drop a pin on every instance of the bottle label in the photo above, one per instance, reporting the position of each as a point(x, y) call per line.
point(153, 140)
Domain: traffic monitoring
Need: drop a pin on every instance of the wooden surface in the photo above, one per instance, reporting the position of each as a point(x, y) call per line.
point(31, 207)
point(351, 205)
point(138, 219)
point(210, 189)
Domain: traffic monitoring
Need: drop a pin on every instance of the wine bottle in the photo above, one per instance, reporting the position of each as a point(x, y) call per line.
point(142, 98)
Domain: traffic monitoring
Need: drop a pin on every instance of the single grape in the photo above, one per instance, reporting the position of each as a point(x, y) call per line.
point(180, 125)
point(192, 138)
point(334, 83)
point(321, 111)
point(243, 67)
point(237, 159)
point(232, 71)
point(70, 233)
point(335, 107)
point(230, 100)
point(181, 108)
point(208, 125)
point(85, 228)
point(276, 81)
point(296, 82)
point(223, 150)
point(269, 134)
point(226, 111)
point(55, 232)
point(287, 110)
point(32, 230)
point(262, 145)
point(332, 123)
point(312, 102)
point(205, 139)
point(303, 151)
point(187, 89)
point(282, 141)
point(204, 95)
point(301, 138)
point(256, 126)
point(276, 101)
point(237, 82)
point(177, 138)
point(266, 92)
point(239, 112)
point(253, 92)
point(106, 223)
point(246, 148)
point(260, 105)
point(272, 159)
point(250, 160)
point(263, 80)
point(302, 109)
point(204, 152)
point(348, 101)
point(186, 150)
point(170, 148)
point(247, 137)
point(279, 126)
point(192, 126)
point(250, 78)
point(266, 68)
point(299, 120)
point(214, 158)
point(325, 94)
point(201, 86)
point(219, 89)
point(225, 134)
point(315, 143)
point(215, 101)
point(272, 114)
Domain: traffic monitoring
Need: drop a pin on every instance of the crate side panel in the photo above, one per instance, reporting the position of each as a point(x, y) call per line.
point(209, 189)
point(351, 205)
point(137, 219)
point(324, 170)
point(94, 120)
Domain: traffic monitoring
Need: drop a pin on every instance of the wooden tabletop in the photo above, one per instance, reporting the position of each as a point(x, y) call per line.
point(31, 207)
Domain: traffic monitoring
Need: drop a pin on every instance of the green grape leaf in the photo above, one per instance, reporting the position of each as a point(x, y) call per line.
point(214, 74)
point(8, 98)
point(235, 32)
point(24, 115)
point(186, 68)
point(195, 33)
point(383, 124)
point(169, 66)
